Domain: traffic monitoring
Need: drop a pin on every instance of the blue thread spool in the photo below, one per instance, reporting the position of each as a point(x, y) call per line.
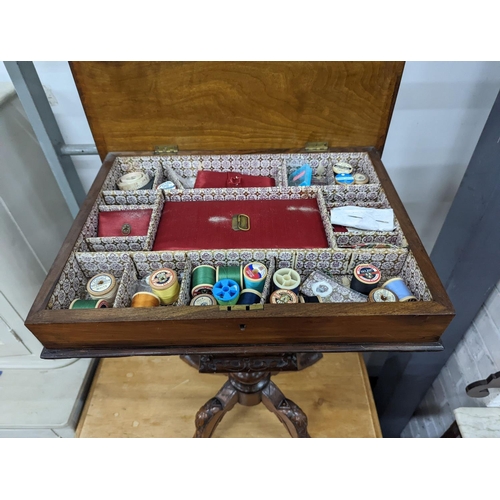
point(226, 292)
point(255, 275)
point(398, 287)
point(344, 179)
point(249, 297)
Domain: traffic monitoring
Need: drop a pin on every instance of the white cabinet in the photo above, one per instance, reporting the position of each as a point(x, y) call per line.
point(37, 397)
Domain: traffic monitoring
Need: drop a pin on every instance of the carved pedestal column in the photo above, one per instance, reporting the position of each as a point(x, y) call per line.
point(249, 383)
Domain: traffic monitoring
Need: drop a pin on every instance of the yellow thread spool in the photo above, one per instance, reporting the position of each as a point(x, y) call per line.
point(164, 285)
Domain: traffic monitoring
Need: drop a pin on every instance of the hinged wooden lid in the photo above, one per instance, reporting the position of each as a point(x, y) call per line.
point(224, 106)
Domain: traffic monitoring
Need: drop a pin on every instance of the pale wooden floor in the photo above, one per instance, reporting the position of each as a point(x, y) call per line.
point(159, 397)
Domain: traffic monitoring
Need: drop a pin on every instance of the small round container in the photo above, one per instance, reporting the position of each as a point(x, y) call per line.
point(203, 300)
point(134, 181)
point(344, 179)
point(360, 178)
point(342, 167)
point(283, 297)
point(102, 286)
point(165, 285)
point(382, 295)
point(166, 185)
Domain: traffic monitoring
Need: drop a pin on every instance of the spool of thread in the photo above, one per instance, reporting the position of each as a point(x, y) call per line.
point(103, 286)
point(382, 295)
point(202, 290)
point(305, 299)
point(342, 167)
point(203, 300)
point(254, 276)
point(249, 296)
point(287, 279)
point(360, 178)
point(344, 179)
point(164, 285)
point(145, 299)
point(365, 278)
point(283, 297)
point(399, 288)
point(88, 304)
point(234, 273)
point(202, 280)
point(134, 181)
point(226, 292)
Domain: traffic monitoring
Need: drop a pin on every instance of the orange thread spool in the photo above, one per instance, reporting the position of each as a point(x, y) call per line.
point(145, 299)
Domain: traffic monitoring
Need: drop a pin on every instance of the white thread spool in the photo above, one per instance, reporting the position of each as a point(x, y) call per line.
point(360, 178)
point(103, 286)
point(287, 279)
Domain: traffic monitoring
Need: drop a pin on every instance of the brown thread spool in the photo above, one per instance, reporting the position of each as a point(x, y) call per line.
point(382, 295)
point(145, 299)
point(283, 297)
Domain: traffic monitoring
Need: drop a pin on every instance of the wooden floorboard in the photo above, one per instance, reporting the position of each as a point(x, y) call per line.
point(159, 397)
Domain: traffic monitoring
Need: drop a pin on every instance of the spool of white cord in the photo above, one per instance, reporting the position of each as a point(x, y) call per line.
point(103, 286)
point(134, 181)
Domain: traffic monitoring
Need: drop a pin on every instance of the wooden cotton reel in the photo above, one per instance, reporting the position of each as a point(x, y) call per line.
point(164, 285)
point(102, 286)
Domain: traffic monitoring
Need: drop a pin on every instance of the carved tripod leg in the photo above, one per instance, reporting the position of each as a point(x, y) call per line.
point(211, 413)
point(293, 418)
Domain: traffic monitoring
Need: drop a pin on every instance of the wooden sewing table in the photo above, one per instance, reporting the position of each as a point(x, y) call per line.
point(239, 108)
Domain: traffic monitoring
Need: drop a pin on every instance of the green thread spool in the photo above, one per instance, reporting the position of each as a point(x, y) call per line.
point(202, 279)
point(88, 304)
point(234, 273)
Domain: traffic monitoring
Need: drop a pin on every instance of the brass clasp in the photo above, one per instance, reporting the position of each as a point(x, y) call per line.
point(241, 222)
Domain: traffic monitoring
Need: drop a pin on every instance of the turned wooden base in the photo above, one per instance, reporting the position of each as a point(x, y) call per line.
point(251, 387)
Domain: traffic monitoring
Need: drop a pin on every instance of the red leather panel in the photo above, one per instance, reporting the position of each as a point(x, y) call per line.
point(208, 225)
point(111, 223)
point(209, 179)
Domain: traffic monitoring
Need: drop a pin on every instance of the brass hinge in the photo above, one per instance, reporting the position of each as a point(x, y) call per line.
point(316, 146)
point(167, 149)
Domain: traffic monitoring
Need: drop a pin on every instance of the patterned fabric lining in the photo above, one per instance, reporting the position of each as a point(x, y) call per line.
point(131, 257)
